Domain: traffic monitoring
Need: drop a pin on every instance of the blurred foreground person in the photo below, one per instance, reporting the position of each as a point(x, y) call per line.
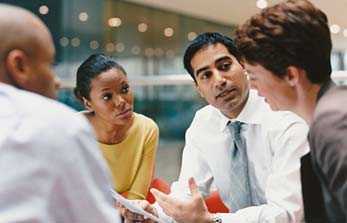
point(286, 50)
point(128, 140)
point(51, 169)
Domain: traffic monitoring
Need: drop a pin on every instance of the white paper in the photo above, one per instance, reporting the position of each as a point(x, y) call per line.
point(133, 207)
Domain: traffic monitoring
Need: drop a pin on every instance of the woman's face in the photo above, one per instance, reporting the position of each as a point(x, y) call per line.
point(111, 98)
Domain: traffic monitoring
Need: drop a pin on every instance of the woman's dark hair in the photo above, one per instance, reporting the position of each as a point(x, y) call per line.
point(204, 40)
point(294, 32)
point(93, 66)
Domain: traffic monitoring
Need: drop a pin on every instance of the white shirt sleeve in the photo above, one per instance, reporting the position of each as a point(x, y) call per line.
point(52, 174)
point(193, 165)
point(283, 189)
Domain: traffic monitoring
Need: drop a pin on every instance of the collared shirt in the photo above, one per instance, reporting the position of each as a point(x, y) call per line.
point(50, 167)
point(275, 142)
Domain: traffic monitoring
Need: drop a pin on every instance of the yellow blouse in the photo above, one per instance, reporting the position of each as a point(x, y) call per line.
point(132, 160)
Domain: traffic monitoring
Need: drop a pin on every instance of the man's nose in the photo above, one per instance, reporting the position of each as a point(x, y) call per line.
point(220, 80)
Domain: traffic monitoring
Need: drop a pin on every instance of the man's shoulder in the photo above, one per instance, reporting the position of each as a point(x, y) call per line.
point(38, 125)
point(44, 113)
point(206, 116)
point(206, 121)
point(206, 112)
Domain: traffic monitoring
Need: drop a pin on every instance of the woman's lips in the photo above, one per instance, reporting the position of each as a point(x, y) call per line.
point(125, 113)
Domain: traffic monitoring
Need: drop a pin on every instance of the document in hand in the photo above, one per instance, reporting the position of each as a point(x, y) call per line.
point(134, 207)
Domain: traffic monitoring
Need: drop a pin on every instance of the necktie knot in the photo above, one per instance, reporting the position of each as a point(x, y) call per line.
point(235, 128)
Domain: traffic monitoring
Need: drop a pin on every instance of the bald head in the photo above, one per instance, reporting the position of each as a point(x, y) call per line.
point(25, 43)
point(21, 29)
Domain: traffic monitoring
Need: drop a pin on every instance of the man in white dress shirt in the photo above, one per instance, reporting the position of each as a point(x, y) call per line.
point(50, 167)
point(274, 143)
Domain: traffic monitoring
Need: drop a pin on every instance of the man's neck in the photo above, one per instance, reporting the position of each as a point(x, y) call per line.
point(236, 112)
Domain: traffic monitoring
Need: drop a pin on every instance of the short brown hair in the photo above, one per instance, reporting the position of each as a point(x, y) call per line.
point(295, 33)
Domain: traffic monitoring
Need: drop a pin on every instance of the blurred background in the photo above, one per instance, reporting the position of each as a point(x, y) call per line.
point(148, 38)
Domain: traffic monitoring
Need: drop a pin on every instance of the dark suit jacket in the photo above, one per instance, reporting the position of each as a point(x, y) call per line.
point(328, 143)
point(314, 205)
point(314, 208)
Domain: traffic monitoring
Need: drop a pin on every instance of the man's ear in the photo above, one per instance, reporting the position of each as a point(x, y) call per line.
point(293, 75)
point(87, 104)
point(18, 68)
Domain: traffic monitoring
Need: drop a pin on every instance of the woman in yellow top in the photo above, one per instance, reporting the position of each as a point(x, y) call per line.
point(127, 140)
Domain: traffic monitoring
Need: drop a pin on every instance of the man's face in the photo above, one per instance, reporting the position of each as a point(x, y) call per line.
point(220, 79)
point(43, 81)
point(277, 92)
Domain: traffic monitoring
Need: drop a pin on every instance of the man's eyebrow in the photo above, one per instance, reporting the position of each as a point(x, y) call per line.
point(207, 67)
point(223, 58)
point(201, 70)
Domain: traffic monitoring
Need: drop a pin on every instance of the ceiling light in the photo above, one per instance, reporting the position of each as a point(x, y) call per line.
point(94, 44)
point(136, 50)
point(114, 22)
point(120, 47)
point(261, 4)
point(142, 27)
point(75, 42)
point(168, 32)
point(110, 47)
point(43, 10)
point(335, 28)
point(64, 41)
point(191, 36)
point(83, 16)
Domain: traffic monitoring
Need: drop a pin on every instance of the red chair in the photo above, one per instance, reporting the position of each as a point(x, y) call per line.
point(160, 185)
point(215, 204)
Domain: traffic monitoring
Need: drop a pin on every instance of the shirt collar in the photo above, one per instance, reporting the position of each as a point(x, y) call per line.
point(248, 114)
